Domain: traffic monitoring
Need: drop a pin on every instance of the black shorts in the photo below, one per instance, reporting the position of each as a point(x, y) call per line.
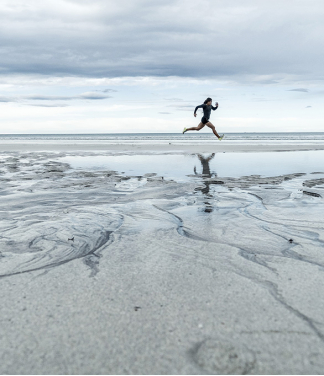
point(204, 120)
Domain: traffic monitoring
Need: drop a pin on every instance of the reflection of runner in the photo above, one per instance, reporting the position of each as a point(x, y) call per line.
point(205, 163)
point(206, 171)
point(207, 107)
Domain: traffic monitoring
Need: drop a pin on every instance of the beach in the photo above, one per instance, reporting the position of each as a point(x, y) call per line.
point(161, 256)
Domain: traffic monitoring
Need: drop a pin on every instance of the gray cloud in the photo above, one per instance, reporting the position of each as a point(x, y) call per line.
point(303, 90)
point(165, 113)
point(89, 95)
point(265, 40)
point(83, 96)
point(49, 105)
point(44, 98)
point(182, 107)
point(108, 91)
point(308, 107)
point(6, 99)
point(93, 96)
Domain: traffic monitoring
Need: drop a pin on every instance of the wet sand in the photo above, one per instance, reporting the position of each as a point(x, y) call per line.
point(107, 272)
point(192, 146)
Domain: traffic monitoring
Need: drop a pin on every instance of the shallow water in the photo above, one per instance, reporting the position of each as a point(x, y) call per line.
point(179, 166)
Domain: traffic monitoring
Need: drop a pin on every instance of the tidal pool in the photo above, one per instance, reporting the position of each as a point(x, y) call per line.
point(179, 166)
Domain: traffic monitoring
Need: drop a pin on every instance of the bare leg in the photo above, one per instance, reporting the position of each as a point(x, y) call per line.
point(200, 126)
point(211, 126)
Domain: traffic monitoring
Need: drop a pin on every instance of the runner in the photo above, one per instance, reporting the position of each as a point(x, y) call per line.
point(207, 107)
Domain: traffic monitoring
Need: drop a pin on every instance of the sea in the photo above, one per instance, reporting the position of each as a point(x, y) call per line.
point(166, 137)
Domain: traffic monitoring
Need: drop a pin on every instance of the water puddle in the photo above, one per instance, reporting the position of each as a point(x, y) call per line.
point(181, 167)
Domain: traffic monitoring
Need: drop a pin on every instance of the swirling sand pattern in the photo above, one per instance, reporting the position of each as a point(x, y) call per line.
point(254, 244)
point(40, 240)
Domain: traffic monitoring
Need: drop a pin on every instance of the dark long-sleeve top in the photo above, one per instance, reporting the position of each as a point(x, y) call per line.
point(207, 109)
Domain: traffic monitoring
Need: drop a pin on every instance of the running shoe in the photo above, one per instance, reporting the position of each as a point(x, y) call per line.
point(184, 130)
point(221, 137)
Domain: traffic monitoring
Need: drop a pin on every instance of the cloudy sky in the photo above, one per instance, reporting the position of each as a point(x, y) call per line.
point(86, 66)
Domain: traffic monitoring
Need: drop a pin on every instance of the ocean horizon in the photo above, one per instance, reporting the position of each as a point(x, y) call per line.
point(201, 136)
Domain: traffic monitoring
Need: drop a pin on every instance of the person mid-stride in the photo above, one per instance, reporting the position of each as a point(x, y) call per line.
point(207, 107)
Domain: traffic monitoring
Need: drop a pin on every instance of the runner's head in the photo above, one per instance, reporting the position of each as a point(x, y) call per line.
point(208, 101)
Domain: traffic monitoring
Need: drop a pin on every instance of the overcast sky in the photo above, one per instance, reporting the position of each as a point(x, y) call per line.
point(142, 66)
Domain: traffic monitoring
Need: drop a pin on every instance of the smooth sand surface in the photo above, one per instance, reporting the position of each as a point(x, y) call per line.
point(102, 273)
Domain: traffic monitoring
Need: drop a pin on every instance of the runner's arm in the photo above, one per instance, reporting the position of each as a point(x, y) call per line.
point(215, 108)
point(201, 106)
